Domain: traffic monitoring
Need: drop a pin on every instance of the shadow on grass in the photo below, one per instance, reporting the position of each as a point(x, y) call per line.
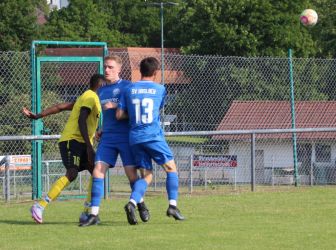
point(20, 222)
point(105, 223)
point(62, 223)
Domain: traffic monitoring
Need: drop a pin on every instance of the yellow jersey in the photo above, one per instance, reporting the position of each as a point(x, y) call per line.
point(88, 99)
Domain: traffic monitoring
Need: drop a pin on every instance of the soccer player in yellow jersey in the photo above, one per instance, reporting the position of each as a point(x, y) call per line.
point(76, 140)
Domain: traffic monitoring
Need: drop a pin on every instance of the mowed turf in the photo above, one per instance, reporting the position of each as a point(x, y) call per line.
point(295, 218)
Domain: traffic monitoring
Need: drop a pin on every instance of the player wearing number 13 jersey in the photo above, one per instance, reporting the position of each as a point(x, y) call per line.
point(142, 102)
point(113, 142)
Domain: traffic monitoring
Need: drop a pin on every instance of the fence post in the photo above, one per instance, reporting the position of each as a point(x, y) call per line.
point(106, 184)
point(311, 174)
point(272, 170)
point(191, 174)
point(235, 178)
point(7, 180)
point(291, 78)
point(48, 176)
point(253, 162)
point(155, 180)
point(80, 182)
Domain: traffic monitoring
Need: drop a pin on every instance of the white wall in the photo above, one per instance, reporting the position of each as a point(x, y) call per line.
point(58, 3)
point(276, 155)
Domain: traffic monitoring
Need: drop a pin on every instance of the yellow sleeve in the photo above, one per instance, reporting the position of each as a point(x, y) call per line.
point(89, 101)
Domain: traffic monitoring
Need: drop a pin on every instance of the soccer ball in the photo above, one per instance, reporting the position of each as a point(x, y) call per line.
point(308, 17)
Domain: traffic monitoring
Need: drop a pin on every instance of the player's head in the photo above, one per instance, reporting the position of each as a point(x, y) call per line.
point(149, 66)
point(96, 81)
point(112, 68)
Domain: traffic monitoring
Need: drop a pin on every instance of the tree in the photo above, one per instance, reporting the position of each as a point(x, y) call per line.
point(139, 23)
point(324, 31)
point(80, 21)
point(120, 23)
point(242, 28)
point(18, 23)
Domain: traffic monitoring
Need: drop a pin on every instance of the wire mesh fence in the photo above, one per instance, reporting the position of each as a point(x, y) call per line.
point(205, 93)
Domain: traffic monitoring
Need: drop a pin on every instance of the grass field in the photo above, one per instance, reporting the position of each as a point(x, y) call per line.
point(295, 218)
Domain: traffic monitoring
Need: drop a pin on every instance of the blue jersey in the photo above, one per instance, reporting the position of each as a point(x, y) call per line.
point(113, 130)
point(143, 101)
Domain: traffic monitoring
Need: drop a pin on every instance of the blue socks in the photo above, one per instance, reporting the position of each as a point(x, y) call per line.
point(138, 190)
point(172, 185)
point(97, 191)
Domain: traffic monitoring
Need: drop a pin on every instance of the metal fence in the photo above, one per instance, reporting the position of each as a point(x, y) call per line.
point(205, 93)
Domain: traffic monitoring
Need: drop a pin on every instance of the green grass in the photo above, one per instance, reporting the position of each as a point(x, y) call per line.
point(295, 218)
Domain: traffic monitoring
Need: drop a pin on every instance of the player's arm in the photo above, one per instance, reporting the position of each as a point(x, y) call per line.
point(57, 108)
point(163, 100)
point(121, 114)
point(83, 115)
point(109, 105)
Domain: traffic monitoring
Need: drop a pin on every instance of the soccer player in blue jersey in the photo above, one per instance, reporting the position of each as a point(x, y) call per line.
point(113, 141)
point(141, 103)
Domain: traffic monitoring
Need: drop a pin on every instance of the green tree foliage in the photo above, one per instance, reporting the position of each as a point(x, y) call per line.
point(80, 21)
point(120, 23)
point(18, 23)
point(325, 32)
point(230, 27)
point(243, 28)
point(139, 23)
point(247, 28)
point(14, 94)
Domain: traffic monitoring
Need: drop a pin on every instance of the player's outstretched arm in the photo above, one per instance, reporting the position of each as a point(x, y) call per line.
point(26, 112)
point(48, 111)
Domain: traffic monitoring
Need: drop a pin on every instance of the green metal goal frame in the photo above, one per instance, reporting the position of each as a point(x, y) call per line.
point(37, 125)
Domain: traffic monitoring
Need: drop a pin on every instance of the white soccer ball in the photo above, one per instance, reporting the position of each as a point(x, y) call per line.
point(308, 17)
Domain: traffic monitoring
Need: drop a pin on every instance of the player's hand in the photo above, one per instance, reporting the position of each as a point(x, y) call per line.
point(29, 114)
point(98, 135)
point(91, 155)
point(110, 105)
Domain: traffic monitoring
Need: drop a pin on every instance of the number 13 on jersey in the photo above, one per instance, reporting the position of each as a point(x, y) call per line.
point(143, 110)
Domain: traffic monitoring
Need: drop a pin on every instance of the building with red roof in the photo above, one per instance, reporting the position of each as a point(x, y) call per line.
point(316, 152)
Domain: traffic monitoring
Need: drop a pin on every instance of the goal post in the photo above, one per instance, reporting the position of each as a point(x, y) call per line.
point(44, 64)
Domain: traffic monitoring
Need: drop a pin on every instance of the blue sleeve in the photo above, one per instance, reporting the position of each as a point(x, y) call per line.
point(122, 101)
point(164, 94)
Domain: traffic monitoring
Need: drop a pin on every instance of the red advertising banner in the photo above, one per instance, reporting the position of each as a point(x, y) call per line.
point(215, 161)
point(17, 162)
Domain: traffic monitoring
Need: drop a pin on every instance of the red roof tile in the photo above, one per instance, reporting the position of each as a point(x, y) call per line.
point(131, 57)
point(247, 115)
point(136, 54)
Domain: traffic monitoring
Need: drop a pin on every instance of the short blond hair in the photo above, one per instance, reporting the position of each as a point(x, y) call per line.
point(117, 59)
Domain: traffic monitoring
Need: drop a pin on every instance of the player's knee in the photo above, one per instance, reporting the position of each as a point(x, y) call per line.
point(72, 174)
point(170, 166)
point(99, 170)
point(147, 175)
point(149, 178)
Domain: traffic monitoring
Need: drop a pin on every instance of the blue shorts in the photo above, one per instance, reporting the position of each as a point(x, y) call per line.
point(108, 152)
point(144, 152)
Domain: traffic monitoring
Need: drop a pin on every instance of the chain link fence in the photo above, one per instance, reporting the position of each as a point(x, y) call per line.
point(205, 93)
